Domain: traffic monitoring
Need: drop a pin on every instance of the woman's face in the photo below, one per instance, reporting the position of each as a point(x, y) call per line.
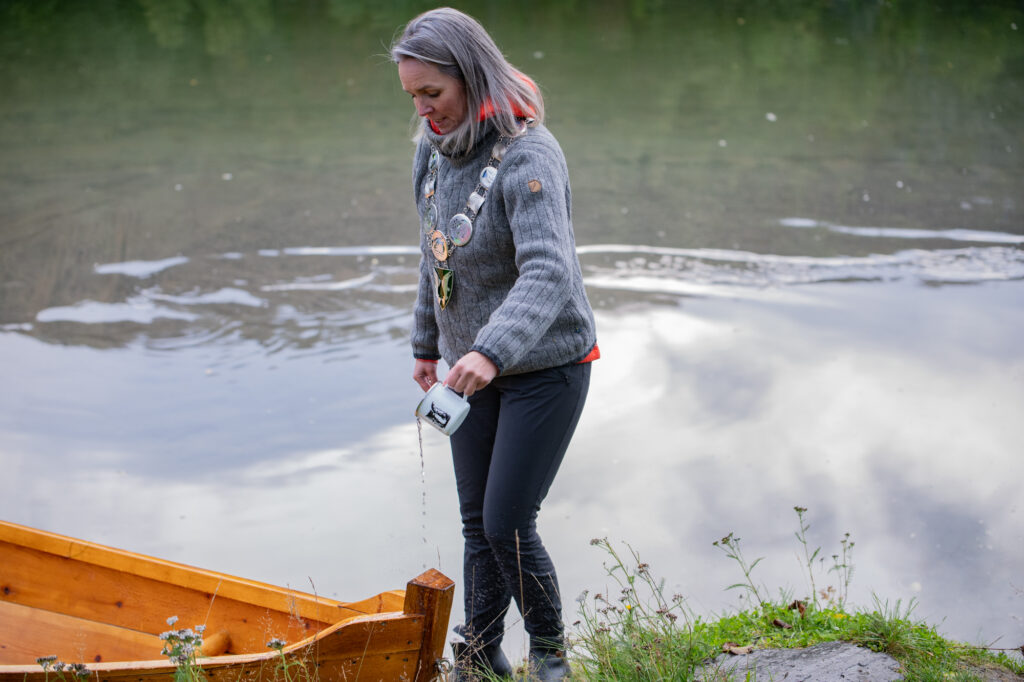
point(436, 95)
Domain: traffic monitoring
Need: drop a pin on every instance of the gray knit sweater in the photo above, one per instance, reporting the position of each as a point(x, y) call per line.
point(518, 296)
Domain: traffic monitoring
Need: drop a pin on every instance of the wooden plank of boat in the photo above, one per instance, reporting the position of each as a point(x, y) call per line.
point(106, 608)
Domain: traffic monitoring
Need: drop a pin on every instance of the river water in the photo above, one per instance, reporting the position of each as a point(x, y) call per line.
point(800, 224)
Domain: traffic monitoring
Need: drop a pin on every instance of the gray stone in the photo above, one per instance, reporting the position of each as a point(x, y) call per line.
point(829, 662)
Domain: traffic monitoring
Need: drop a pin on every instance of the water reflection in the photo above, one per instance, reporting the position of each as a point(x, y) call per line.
point(866, 405)
point(887, 407)
point(801, 232)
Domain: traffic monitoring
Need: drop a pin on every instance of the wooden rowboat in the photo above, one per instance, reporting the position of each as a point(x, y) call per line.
point(106, 608)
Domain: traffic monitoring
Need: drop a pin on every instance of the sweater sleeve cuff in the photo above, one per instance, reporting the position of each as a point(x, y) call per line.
point(490, 357)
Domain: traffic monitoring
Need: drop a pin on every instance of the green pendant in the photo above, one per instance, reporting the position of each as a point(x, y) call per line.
point(444, 285)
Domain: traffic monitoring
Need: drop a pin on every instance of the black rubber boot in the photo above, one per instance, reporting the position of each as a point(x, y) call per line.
point(471, 663)
point(548, 665)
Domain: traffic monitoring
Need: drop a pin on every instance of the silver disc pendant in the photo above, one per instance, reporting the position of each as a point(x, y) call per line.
point(498, 152)
point(428, 187)
point(435, 158)
point(430, 217)
point(460, 229)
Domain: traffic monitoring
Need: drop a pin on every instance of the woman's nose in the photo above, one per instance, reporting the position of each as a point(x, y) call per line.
point(422, 109)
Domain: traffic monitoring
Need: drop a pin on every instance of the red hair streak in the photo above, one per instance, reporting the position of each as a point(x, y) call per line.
point(487, 108)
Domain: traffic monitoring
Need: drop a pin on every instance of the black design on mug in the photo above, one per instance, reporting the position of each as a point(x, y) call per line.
point(438, 416)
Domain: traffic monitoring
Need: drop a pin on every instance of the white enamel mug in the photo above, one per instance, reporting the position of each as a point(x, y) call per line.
point(443, 408)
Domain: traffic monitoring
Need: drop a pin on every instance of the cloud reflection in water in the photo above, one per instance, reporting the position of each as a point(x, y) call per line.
point(887, 407)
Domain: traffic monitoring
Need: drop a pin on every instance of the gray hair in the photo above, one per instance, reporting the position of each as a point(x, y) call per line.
point(459, 47)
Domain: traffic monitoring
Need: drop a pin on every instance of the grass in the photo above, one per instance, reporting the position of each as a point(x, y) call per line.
point(642, 634)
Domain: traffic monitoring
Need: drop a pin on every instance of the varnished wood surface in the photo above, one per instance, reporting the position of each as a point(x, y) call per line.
point(124, 599)
point(27, 633)
point(430, 594)
point(180, 575)
point(105, 607)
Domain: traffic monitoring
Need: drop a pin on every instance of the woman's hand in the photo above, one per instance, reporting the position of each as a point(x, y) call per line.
point(472, 372)
point(424, 373)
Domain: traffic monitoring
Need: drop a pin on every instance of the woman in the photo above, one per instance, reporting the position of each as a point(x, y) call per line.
point(501, 299)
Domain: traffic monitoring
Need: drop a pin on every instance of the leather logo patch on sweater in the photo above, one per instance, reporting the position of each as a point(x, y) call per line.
point(534, 186)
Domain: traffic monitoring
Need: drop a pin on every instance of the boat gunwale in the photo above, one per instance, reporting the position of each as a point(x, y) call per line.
point(304, 604)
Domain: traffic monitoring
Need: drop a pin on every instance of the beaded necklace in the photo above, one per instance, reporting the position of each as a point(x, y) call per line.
point(459, 230)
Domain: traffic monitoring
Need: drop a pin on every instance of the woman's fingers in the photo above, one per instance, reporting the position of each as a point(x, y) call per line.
point(472, 372)
point(425, 374)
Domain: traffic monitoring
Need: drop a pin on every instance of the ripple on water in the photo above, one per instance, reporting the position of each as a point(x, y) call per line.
point(322, 299)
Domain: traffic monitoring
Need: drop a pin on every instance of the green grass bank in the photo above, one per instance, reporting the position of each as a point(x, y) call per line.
point(641, 633)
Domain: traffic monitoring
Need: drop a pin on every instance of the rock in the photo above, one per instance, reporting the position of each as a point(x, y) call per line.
point(829, 662)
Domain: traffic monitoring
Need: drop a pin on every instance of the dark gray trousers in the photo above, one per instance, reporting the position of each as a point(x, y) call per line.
point(506, 455)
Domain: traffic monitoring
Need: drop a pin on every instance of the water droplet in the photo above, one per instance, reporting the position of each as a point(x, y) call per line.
point(899, 183)
point(771, 117)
